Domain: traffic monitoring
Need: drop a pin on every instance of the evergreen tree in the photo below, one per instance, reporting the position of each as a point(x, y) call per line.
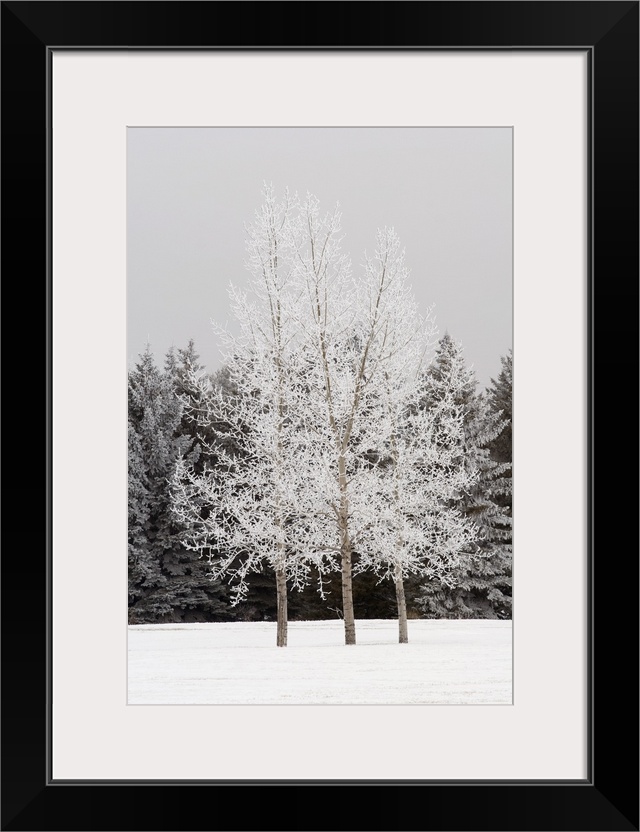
point(500, 394)
point(167, 582)
point(154, 417)
point(483, 587)
point(144, 567)
point(184, 366)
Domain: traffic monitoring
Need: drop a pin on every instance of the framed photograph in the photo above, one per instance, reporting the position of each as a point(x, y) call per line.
point(523, 114)
point(245, 526)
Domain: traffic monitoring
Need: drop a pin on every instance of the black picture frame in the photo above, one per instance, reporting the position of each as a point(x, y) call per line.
point(608, 798)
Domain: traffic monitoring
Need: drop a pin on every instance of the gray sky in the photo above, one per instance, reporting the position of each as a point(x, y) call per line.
point(446, 191)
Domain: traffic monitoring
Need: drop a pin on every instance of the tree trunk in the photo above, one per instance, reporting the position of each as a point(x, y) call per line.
point(347, 594)
point(281, 590)
point(345, 551)
point(403, 631)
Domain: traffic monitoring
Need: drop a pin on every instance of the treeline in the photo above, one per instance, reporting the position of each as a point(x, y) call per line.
point(169, 582)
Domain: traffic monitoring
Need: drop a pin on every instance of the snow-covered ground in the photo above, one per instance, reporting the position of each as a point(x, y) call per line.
point(446, 662)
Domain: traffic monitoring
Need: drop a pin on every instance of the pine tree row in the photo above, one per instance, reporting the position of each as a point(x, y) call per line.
point(169, 581)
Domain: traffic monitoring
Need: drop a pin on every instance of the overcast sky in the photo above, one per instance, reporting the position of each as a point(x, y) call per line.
point(446, 191)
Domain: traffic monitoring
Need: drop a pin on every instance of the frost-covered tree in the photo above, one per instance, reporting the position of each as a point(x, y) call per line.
point(416, 529)
point(405, 523)
point(251, 512)
point(482, 582)
point(360, 332)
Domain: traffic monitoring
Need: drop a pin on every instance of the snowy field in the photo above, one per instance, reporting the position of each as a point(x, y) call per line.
point(446, 662)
